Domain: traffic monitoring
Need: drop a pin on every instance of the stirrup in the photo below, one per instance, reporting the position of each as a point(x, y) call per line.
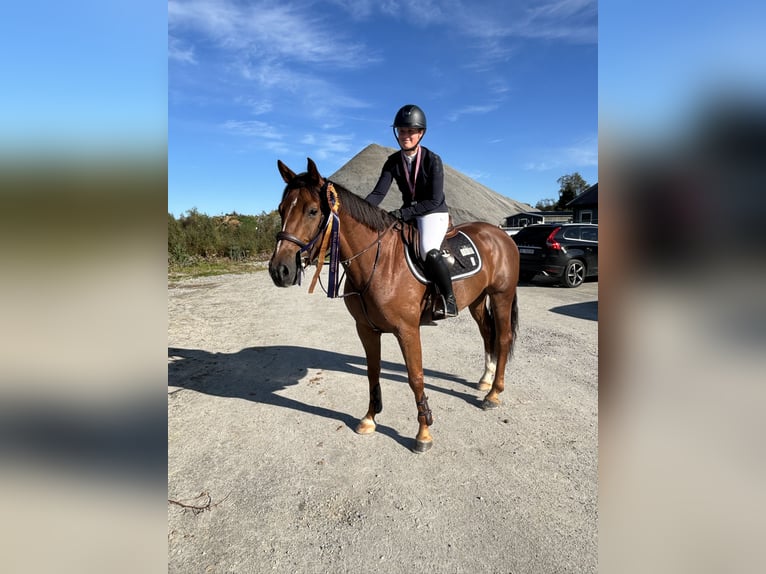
point(445, 310)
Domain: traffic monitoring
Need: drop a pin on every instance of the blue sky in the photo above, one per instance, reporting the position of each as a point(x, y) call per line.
point(662, 63)
point(510, 92)
point(83, 77)
point(509, 89)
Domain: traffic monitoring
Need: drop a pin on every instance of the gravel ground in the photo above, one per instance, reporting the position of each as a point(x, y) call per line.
point(266, 386)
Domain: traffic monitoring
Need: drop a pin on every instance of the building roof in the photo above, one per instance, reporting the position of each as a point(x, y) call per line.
point(587, 197)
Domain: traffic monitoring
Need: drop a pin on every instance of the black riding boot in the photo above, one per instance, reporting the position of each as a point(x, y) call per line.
point(437, 272)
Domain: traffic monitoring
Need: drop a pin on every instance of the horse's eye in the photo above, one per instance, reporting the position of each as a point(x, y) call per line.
point(313, 212)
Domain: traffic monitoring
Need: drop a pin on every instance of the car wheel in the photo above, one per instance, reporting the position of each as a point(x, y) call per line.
point(526, 276)
point(574, 273)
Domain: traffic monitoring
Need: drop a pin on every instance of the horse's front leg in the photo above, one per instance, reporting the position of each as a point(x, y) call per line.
point(409, 342)
point(371, 343)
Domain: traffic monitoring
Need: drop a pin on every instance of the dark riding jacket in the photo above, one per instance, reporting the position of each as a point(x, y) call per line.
point(429, 185)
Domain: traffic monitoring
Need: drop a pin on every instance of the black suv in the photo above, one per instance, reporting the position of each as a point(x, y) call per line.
point(566, 251)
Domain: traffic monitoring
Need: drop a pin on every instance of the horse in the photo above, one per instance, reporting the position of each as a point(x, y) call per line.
point(382, 293)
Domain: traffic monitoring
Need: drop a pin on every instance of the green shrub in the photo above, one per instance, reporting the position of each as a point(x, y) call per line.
point(235, 237)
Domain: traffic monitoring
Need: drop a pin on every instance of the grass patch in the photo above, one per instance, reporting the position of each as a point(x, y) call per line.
point(208, 267)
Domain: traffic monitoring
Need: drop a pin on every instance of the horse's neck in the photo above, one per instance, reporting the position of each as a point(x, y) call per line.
point(358, 243)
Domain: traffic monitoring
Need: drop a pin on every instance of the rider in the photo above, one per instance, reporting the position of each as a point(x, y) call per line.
point(419, 174)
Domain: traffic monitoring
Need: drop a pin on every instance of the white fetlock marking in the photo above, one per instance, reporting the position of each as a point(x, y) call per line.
point(490, 367)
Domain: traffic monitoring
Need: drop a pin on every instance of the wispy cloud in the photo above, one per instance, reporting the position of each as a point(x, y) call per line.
point(477, 175)
point(313, 95)
point(568, 20)
point(329, 146)
point(256, 106)
point(263, 40)
point(325, 146)
point(265, 29)
point(178, 50)
point(283, 60)
point(471, 110)
point(252, 128)
point(492, 29)
point(281, 51)
point(564, 20)
point(581, 154)
point(420, 13)
point(584, 153)
point(260, 134)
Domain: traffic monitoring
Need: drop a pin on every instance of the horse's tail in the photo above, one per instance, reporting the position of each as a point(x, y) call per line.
point(514, 326)
point(514, 323)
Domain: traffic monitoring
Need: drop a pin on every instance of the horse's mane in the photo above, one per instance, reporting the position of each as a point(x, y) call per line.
point(365, 213)
point(370, 215)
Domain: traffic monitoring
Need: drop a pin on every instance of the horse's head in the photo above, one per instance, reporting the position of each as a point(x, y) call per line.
point(303, 214)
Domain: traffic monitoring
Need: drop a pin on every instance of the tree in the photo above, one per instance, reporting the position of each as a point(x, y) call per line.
point(545, 205)
point(571, 186)
point(203, 237)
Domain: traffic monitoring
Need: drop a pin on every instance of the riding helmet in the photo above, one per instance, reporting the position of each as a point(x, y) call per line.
point(410, 116)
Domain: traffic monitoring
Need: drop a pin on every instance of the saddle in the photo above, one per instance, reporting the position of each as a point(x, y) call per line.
point(458, 249)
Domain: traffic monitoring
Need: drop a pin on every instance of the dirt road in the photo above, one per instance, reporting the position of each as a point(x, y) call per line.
point(266, 386)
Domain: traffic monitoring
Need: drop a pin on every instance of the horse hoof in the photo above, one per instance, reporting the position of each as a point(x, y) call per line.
point(489, 405)
point(422, 446)
point(365, 427)
point(483, 386)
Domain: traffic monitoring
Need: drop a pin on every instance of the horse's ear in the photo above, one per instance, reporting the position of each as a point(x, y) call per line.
point(287, 174)
point(313, 172)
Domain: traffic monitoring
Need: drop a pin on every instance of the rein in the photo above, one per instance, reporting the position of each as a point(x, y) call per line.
point(345, 262)
point(331, 241)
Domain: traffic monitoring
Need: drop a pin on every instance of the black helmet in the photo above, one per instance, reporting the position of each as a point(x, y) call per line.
point(410, 116)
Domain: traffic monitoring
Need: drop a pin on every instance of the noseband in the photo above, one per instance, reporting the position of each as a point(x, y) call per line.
point(293, 239)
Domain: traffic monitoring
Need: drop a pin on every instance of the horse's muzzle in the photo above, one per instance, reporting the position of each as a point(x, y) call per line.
point(284, 271)
point(282, 275)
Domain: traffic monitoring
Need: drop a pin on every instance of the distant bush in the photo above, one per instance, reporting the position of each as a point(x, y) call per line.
point(195, 236)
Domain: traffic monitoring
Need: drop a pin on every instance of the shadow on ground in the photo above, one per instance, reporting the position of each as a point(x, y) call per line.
point(259, 373)
point(585, 310)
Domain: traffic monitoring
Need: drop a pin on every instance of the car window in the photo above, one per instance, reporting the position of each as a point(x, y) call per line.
point(571, 233)
point(532, 235)
point(590, 234)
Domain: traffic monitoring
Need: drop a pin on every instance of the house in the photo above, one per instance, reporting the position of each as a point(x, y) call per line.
point(585, 206)
point(519, 220)
point(513, 223)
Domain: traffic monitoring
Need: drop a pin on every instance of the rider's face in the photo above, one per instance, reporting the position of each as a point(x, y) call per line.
point(409, 137)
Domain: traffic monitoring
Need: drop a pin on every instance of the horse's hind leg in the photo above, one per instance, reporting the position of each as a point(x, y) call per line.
point(483, 319)
point(504, 311)
point(371, 343)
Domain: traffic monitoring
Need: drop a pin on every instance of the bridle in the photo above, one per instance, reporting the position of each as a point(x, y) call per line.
point(329, 209)
point(306, 246)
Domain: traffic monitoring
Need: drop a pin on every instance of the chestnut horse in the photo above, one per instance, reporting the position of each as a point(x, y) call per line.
point(381, 292)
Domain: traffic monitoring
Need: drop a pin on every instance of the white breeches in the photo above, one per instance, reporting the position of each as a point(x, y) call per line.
point(432, 228)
